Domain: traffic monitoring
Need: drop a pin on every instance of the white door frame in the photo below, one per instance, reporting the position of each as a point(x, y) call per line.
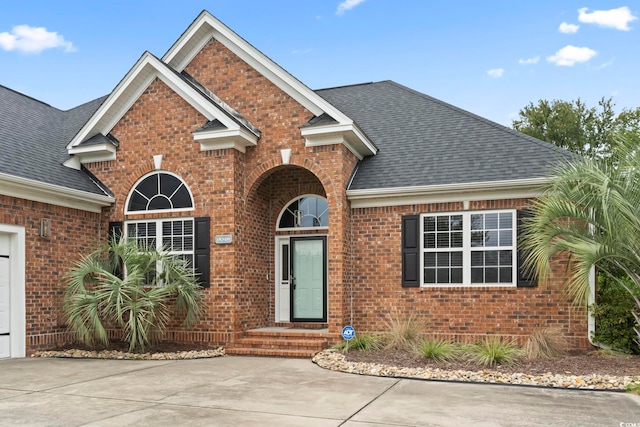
point(17, 301)
point(282, 290)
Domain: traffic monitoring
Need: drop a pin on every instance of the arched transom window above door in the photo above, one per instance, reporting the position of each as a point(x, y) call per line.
point(308, 211)
point(159, 191)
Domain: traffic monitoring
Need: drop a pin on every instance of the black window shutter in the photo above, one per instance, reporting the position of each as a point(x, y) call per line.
point(201, 251)
point(525, 279)
point(410, 251)
point(115, 232)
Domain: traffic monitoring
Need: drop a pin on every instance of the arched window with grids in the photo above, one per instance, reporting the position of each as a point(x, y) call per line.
point(185, 237)
point(159, 191)
point(309, 211)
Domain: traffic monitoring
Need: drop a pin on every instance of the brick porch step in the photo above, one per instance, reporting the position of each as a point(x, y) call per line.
point(280, 342)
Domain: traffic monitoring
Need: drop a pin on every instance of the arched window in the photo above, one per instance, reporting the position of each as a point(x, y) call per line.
point(184, 237)
point(159, 191)
point(305, 212)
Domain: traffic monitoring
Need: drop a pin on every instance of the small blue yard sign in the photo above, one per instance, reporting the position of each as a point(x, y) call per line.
point(348, 332)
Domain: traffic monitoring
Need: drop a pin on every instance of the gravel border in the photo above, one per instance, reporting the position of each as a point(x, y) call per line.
point(123, 355)
point(335, 361)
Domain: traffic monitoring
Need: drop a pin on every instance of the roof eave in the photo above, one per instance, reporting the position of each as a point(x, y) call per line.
point(24, 188)
point(460, 192)
point(348, 134)
point(238, 139)
point(131, 88)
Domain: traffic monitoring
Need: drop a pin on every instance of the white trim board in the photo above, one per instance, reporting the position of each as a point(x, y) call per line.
point(465, 192)
point(29, 189)
point(17, 267)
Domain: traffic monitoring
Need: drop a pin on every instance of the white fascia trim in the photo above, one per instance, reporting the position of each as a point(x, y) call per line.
point(92, 153)
point(220, 139)
point(29, 189)
point(490, 190)
point(293, 87)
point(347, 134)
point(140, 77)
point(256, 59)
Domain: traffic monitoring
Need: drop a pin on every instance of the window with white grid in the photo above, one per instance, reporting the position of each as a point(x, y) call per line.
point(469, 248)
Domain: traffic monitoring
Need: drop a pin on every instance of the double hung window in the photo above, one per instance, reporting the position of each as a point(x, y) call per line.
point(469, 248)
point(173, 235)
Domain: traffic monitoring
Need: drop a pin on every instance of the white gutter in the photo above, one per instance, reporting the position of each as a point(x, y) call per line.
point(397, 196)
point(591, 322)
point(29, 189)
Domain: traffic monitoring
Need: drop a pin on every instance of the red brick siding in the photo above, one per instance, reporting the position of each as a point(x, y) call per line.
point(279, 118)
point(463, 313)
point(73, 232)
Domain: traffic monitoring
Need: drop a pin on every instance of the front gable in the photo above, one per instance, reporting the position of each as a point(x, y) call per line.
point(231, 132)
point(224, 127)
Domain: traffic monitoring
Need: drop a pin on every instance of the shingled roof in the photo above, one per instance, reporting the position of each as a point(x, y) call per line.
point(33, 137)
point(423, 141)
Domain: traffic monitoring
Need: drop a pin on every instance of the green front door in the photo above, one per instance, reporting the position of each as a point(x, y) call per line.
point(309, 279)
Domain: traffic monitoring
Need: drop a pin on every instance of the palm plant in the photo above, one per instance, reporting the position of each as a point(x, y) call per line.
point(590, 210)
point(140, 302)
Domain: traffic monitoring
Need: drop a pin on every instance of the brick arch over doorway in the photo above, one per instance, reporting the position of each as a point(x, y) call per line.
point(270, 194)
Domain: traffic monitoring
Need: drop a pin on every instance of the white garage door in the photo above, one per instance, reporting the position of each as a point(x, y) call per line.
point(5, 306)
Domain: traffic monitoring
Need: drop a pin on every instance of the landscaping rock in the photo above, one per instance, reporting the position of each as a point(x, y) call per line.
point(335, 361)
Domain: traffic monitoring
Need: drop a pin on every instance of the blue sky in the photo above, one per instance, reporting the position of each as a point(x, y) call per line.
point(488, 57)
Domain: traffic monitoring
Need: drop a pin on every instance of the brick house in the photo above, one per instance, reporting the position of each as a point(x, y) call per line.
point(312, 209)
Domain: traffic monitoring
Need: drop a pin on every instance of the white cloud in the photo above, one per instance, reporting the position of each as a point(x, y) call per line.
point(529, 61)
point(569, 55)
point(606, 64)
point(300, 51)
point(496, 72)
point(28, 39)
point(347, 5)
point(613, 18)
point(568, 28)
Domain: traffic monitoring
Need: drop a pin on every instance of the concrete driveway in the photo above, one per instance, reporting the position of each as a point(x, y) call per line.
point(247, 391)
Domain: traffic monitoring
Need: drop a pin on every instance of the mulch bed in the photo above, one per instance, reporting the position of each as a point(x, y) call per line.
point(575, 363)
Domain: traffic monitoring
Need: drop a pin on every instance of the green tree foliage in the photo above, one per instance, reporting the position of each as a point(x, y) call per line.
point(589, 131)
point(156, 286)
point(614, 316)
point(590, 210)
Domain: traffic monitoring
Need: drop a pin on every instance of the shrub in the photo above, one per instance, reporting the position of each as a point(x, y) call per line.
point(438, 350)
point(494, 351)
point(614, 316)
point(364, 342)
point(545, 343)
point(403, 332)
point(156, 286)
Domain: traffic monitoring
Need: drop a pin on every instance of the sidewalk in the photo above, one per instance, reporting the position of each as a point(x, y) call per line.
point(251, 391)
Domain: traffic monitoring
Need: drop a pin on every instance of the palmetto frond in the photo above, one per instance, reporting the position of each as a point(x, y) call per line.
point(590, 211)
point(140, 303)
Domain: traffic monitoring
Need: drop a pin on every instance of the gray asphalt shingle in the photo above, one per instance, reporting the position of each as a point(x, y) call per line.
point(33, 138)
point(423, 141)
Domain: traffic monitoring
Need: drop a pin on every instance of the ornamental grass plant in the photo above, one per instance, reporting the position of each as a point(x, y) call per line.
point(545, 343)
point(403, 332)
point(494, 351)
point(438, 350)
